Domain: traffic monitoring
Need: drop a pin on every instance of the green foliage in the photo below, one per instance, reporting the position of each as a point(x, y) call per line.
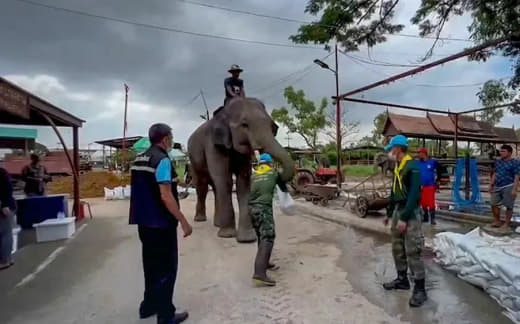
point(302, 117)
point(332, 157)
point(493, 93)
point(357, 22)
point(351, 23)
point(40, 149)
point(357, 170)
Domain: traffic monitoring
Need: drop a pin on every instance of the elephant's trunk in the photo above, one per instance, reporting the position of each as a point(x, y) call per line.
point(280, 155)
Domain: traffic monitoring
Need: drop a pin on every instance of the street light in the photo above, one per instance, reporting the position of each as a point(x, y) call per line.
point(324, 65)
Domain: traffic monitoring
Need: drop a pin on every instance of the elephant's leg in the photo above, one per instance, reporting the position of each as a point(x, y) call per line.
point(222, 185)
point(202, 192)
point(245, 233)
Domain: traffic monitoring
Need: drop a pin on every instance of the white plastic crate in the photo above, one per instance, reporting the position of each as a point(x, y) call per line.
point(16, 231)
point(55, 229)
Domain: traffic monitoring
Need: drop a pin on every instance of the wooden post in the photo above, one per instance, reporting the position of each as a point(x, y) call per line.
point(104, 158)
point(75, 140)
point(456, 139)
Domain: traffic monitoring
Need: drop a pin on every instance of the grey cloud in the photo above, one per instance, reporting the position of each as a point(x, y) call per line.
point(167, 69)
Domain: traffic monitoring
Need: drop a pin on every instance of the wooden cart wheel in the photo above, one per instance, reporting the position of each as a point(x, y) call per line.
point(315, 201)
point(362, 206)
point(324, 202)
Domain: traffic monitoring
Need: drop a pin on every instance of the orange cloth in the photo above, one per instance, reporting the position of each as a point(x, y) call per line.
point(428, 197)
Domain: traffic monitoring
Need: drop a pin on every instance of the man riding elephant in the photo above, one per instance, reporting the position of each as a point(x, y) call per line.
point(233, 85)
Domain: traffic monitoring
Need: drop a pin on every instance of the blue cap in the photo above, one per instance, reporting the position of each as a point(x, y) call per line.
point(265, 158)
point(398, 140)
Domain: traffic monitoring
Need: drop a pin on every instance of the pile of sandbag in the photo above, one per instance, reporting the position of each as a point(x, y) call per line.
point(118, 193)
point(492, 263)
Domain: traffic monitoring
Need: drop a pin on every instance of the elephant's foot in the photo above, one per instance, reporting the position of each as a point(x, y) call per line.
point(227, 232)
point(200, 218)
point(246, 235)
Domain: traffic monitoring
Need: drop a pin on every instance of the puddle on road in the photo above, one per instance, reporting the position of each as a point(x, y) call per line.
point(367, 259)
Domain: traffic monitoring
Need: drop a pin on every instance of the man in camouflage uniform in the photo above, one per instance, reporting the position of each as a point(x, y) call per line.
point(265, 179)
point(407, 237)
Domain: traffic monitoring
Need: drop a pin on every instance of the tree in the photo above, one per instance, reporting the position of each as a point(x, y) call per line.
point(493, 93)
point(40, 149)
point(302, 117)
point(347, 128)
point(365, 22)
point(379, 124)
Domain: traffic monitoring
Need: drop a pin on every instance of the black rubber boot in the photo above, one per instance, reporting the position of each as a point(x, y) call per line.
point(261, 261)
point(419, 294)
point(425, 215)
point(401, 282)
point(146, 310)
point(175, 319)
point(432, 218)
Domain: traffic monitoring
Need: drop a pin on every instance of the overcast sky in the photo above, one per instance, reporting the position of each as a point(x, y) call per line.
point(80, 63)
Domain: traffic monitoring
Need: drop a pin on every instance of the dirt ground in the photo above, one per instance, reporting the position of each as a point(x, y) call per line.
point(329, 274)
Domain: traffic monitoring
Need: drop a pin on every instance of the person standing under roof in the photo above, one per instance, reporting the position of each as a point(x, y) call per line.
point(429, 172)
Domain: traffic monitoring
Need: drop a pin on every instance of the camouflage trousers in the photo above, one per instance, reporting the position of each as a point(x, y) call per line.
point(263, 222)
point(407, 248)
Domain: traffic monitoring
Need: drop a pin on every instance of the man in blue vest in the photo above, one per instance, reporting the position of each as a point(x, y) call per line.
point(155, 209)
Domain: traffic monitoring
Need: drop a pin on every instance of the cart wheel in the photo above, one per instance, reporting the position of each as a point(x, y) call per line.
point(315, 201)
point(362, 207)
point(324, 202)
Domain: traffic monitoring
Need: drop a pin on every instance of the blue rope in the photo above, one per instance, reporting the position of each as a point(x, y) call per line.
point(476, 196)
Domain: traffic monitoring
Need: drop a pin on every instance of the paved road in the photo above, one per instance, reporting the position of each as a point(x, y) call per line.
point(329, 274)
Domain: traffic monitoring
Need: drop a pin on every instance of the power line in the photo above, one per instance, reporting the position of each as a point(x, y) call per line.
point(163, 28)
point(288, 76)
point(299, 21)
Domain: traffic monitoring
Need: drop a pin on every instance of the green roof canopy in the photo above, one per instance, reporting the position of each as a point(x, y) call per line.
point(25, 133)
point(144, 143)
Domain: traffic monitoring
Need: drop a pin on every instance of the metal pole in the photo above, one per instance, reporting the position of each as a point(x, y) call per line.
point(75, 148)
point(425, 67)
point(123, 153)
point(338, 123)
point(456, 139)
point(205, 105)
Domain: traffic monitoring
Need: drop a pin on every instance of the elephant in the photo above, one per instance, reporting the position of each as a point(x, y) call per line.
point(224, 146)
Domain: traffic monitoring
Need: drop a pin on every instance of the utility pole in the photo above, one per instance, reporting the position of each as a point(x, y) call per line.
point(288, 138)
point(205, 104)
point(338, 123)
point(123, 153)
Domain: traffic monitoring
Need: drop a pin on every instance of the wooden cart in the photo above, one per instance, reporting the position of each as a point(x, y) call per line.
point(371, 194)
point(320, 194)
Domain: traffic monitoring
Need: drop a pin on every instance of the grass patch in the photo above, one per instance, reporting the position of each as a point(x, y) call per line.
point(359, 170)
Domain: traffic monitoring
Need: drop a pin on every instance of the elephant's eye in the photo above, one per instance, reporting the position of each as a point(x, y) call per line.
point(245, 125)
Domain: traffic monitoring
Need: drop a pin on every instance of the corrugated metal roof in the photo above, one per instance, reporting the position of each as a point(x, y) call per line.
point(437, 126)
point(25, 133)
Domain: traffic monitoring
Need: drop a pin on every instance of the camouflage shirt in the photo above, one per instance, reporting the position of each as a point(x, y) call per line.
point(263, 185)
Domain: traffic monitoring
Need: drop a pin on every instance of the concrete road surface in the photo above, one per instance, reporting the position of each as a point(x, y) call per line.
point(329, 274)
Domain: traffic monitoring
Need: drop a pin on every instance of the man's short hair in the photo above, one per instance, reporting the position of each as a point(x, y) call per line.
point(35, 157)
point(507, 147)
point(157, 132)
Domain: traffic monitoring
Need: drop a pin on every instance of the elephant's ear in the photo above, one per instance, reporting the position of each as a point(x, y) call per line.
point(221, 133)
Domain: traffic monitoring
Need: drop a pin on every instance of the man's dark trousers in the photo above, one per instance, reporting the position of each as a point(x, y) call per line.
point(160, 259)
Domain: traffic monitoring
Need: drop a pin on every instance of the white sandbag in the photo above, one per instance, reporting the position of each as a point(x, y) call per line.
point(126, 192)
point(118, 193)
point(109, 194)
point(286, 202)
point(485, 261)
